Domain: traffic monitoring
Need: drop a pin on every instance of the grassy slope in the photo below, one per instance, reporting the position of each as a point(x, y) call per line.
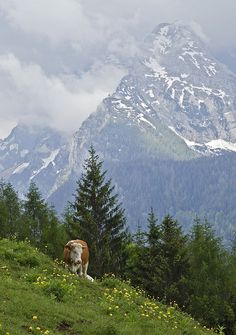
point(39, 297)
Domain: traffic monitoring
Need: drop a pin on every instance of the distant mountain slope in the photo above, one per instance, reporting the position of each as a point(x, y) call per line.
point(205, 187)
point(33, 153)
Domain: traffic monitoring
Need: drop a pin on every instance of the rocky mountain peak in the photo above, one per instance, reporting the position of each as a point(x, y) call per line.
point(180, 82)
point(179, 49)
point(166, 37)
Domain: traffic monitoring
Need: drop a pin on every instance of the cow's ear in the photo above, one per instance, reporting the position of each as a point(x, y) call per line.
point(84, 246)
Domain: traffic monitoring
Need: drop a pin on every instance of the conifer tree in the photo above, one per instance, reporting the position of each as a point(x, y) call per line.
point(69, 222)
point(10, 211)
point(99, 218)
point(209, 284)
point(43, 229)
point(155, 262)
point(136, 267)
point(35, 214)
point(153, 234)
point(174, 261)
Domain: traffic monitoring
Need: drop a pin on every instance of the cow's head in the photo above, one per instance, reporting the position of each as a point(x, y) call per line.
point(76, 250)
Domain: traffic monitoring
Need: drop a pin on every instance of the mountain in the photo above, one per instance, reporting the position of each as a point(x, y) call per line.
point(167, 136)
point(174, 89)
point(36, 154)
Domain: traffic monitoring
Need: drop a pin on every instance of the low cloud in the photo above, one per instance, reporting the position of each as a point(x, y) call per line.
point(57, 20)
point(29, 96)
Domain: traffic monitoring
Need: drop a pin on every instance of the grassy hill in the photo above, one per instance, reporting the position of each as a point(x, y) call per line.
point(38, 296)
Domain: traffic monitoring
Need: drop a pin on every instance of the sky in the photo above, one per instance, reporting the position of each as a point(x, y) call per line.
point(60, 58)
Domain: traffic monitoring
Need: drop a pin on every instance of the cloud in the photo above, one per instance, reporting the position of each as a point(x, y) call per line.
point(58, 57)
point(57, 20)
point(29, 96)
point(88, 22)
point(199, 31)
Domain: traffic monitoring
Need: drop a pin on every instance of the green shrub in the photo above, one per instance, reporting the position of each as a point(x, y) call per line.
point(56, 290)
point(22, 259)
point(110, 281)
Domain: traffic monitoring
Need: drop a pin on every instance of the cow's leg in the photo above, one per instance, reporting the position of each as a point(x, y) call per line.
point(73, 268)
point(80, 270)
point(85, 269)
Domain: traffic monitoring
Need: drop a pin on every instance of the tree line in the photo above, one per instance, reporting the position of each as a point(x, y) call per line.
point(194, 271)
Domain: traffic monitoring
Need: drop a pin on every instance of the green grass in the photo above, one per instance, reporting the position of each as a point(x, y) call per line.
point(38, 296)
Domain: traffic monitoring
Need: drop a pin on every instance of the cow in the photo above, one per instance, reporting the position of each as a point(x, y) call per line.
point(76, 257)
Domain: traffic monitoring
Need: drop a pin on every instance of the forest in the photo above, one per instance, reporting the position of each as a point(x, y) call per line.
point(194, 270)
point(204, 185)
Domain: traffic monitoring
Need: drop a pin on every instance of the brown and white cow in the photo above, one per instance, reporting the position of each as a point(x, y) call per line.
point(76, 257)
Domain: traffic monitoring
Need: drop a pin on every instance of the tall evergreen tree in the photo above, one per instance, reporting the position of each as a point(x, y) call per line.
point(159, 262)
point(175, 261)
point(42, 225)
point(136, 266)
point(10, 211)
point(209, 278)
point(155, 263)
point(35, 214)
point(99, 218)
point(153, 234)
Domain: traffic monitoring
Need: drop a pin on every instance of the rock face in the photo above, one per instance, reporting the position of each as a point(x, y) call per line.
point(36, 154)
point(177, 104)
point(187, 87)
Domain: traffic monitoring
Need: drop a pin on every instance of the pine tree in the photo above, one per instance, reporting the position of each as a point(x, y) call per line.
point(209, 280)
point(174, 261)
point(155, 263)
point(69, 223)
point(99, 218)
point(153, 234)
point(35, 215)
point(136, 268)
point(42, 225)
point(10, 211)
point(54, 235)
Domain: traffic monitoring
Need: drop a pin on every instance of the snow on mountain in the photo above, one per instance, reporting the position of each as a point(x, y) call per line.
point(20, 168)
point(32, 153)
point(221, 144)
point(213, 147)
